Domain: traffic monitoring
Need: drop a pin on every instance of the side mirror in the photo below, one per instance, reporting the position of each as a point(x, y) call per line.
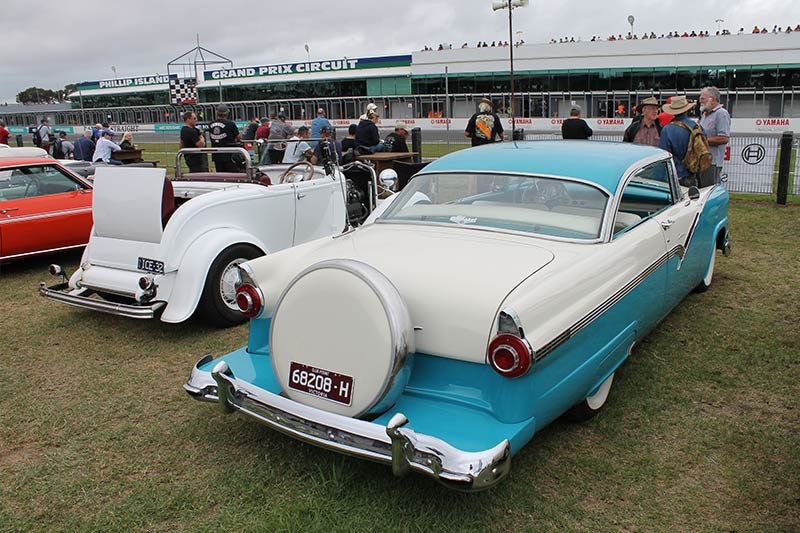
point(388, 177)
point(694, 193)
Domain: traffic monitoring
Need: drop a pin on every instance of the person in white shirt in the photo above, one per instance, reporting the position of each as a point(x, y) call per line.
point(299, 150)
point(105, 148)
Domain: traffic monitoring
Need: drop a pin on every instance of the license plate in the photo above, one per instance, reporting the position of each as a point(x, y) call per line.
point(321, 383)
point(151, 265)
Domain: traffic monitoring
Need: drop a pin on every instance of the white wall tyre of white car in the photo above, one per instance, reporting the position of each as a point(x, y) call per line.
point(705, 284)
point(591, 405)
point(217, 306)
point(345, 320)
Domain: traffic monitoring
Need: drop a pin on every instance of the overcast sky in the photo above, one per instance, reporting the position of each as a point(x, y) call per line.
point(51, 44)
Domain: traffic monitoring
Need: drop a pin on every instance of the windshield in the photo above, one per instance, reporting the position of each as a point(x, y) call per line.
point(543, 206)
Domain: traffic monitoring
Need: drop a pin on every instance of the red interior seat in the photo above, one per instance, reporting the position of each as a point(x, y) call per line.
point(167, 202)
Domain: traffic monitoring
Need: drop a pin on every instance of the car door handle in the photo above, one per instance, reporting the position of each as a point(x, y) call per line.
point(666, 224)
point(300, 195)
point(4, 211)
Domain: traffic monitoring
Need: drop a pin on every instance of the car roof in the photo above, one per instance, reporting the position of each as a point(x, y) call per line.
point(599, 162)
point(17, 161)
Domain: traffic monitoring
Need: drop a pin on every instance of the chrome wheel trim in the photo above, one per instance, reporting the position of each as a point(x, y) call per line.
point(596, 400)
point(227, 283)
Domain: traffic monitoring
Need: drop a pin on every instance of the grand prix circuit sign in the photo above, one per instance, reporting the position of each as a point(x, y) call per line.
point(308, 67)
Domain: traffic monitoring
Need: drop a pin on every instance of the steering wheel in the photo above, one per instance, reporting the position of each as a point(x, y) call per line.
point(308, 173)
point(548, 192)
point(32, 187)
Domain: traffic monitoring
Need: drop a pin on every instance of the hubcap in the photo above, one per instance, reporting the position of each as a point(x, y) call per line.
point(227, 283)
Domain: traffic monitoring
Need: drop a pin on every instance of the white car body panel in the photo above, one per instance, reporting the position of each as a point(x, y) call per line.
point(216, 215)
point(450, 323)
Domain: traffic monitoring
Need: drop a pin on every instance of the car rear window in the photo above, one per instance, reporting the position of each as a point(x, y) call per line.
point(537, 205)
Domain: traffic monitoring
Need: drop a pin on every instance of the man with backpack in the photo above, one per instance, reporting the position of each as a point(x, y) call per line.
point(686, 141)
point(42, 134)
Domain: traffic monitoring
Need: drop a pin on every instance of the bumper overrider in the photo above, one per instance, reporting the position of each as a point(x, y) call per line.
point(393, 444)
point(82, 298)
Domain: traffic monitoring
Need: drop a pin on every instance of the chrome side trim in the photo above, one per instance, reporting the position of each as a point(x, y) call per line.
point(84, 302)
point(42, 252)
point(392, 444)
point(615, 298)
point(49, 214)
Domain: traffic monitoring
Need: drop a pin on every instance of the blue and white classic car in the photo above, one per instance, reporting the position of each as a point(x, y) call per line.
point(501, 289)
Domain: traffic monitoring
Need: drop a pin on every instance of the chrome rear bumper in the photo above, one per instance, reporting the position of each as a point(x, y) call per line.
point(393, 444)
point(81, 299)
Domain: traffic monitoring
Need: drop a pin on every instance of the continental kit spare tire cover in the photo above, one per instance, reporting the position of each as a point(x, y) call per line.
point(341, 339)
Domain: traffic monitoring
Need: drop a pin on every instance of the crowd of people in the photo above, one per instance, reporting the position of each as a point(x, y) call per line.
point(479, 44)
point(95, 145)
point(282, 143)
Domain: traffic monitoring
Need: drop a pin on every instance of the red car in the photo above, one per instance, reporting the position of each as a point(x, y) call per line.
point(43, 208)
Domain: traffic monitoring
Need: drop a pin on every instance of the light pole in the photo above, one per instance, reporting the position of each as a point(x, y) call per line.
point(308, 52)
point(719, 22)
point(114, 70)
point(510, 5)
point(631, 20)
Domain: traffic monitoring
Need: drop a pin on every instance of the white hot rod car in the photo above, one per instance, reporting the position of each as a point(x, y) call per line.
point(172, 246)
point(503, 287)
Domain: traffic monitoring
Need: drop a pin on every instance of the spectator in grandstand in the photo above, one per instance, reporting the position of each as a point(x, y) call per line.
point(797, 28)
point(105, 148)
point(191, 138)
point(756, 30)
point(223, 133)
point(4, 134)
point(349, 142)
point(127, 141)
point(279, 131)
point(84, 147)
point(716, 122)
point(326, 134)
point(65, 147)
point(484, 127)
point(645, 128)
point(675, 138)
point(575, 127)
point(367, 133)
point(317, 124)
point(299, 150)
point(396, 141)
point(45, 133)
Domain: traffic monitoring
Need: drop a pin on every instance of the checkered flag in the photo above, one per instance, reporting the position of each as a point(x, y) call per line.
point(182, 90)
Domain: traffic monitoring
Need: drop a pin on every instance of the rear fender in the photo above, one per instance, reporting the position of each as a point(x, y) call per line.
point(193, 269)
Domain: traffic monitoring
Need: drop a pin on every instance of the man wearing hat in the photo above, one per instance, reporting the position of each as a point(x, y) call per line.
point(396, 141)
point(645, 128)
point(674, 138)
point(223, 133)
point(484, 127)
point(105, 148)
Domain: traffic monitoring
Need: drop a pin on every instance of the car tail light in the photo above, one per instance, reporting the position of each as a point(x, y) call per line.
point(249, 300)
point(509, 355)
point(55, 270)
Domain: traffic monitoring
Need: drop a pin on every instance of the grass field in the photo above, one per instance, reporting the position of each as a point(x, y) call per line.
point(700, 432)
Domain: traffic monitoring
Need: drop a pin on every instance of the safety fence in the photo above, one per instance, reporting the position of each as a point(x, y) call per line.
point(796, 188)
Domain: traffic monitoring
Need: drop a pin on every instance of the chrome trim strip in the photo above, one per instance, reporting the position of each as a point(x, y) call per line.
point(41, 252)
point(49, 214)
point(488, 230)
point(392, 444)
point(400, 328)
point(84, 302)
point(615, 298)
